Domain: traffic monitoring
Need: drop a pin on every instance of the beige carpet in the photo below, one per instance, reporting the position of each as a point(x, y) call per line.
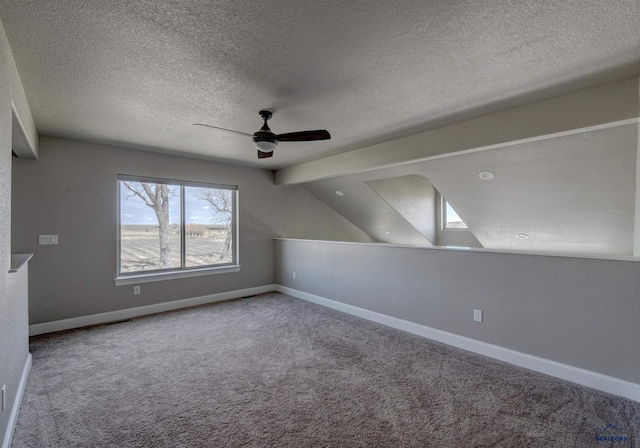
point(273, 371)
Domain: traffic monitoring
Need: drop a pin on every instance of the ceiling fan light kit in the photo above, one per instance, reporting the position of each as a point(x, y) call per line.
point(266, 141)
point(265, 145)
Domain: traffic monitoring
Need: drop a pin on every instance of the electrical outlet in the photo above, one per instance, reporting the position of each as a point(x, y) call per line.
point(477, 315)
point(294, 275)
point(136, 290)
point(4, 397)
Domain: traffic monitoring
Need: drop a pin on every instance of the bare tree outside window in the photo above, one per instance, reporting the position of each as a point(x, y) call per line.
point(173, 226)
point(221, 204)
point(156, 196)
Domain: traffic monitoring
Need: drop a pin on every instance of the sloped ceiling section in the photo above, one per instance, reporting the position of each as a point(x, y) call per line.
point(385, 214)
point(569, 192)
point(413, 197)
point(572, 194)
point(391, 208)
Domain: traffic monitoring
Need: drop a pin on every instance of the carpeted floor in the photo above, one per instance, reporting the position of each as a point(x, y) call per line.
point(273, 371)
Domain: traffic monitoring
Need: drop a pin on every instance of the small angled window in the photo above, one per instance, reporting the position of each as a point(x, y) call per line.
point(450, 219)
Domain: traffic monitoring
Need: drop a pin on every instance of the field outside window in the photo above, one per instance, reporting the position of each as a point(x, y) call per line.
point(168, 226)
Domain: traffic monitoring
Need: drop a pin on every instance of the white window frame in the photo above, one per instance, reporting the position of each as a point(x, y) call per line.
point(182, 271)
point(443, 214)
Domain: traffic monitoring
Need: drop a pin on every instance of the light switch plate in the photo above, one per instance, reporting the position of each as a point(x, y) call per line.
point(477, 315)
point(44, 240)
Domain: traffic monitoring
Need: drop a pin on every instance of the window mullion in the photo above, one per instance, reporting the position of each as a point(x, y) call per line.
point(234, 228)
point(183, 239)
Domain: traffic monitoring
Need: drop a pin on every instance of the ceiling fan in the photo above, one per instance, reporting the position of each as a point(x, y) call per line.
point(266, 141)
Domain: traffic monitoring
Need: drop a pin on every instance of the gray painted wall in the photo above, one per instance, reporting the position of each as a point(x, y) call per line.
point(13, 302)
point(581, 312)
point(71, 191)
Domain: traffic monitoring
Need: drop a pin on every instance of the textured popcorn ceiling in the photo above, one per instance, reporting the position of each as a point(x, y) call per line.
point(139, 73)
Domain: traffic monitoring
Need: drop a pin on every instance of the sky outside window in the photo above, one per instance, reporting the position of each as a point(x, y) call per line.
point(453, 221)
point(135, 212)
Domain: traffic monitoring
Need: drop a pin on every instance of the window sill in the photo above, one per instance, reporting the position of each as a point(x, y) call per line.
point(162, 276)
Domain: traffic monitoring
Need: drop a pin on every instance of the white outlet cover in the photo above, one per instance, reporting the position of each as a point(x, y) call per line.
point(477, 315)
point(136, 290)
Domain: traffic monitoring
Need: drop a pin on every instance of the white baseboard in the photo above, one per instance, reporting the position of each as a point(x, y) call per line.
point(13, 419)
point(563, 371)
point(111, 316)
point(577, 375)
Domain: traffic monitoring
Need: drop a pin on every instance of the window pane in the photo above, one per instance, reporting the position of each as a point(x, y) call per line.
point(208, 229)
point(149, 226)
point(453, 220)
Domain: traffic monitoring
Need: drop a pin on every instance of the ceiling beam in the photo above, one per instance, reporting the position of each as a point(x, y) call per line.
point(23, 143)
point(24, 129)
point(611, 103)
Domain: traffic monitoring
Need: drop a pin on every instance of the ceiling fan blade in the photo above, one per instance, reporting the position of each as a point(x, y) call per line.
point(264, 155)
point(223, 129)
point(304, 136)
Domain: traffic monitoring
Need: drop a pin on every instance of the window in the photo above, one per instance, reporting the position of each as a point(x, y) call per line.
point(450, 219)
point(169, 227)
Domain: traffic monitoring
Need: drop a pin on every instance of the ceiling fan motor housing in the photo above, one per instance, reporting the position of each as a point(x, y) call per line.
point(265, 140)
